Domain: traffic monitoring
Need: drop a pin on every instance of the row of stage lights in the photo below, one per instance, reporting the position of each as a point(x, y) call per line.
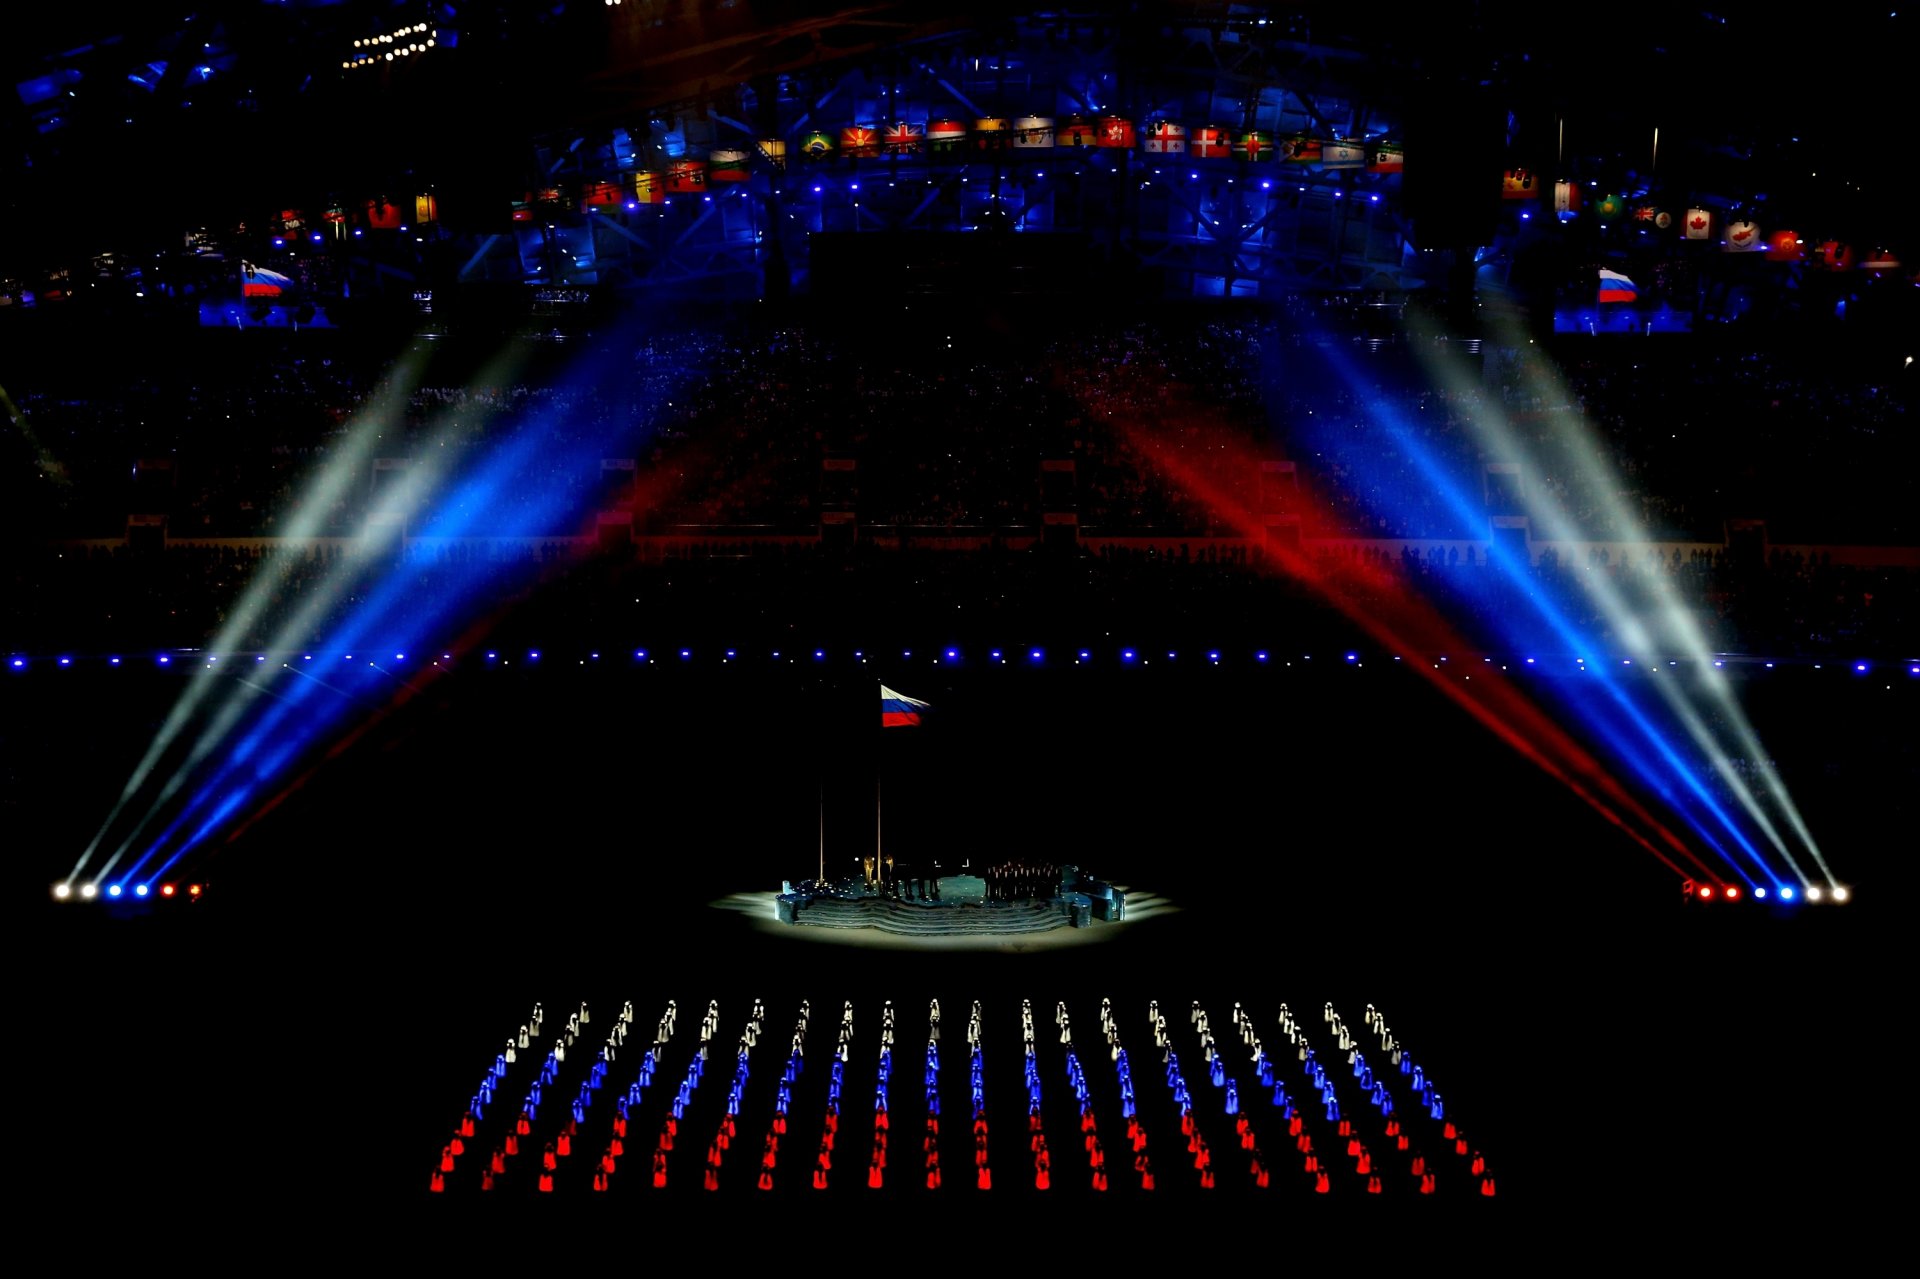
point(1127, 656)
point(66, 891)
point(390, 45)
point(1760, 892)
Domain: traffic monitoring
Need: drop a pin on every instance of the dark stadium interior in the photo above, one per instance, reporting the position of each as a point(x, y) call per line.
point(467, 466)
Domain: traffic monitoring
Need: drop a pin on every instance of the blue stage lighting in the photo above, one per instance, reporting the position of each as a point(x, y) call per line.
point(113, 890)
point(113, 661)
point(139, 890)
point(729, 653)
point(639, 654)
point(1213, 655)
point(1859, 668)
point(165, 660)
point(819, 655)
point(995, 654)
point(493, 657)
point(952, 654)
point(1035, 655)
point(261, 658)
point(1085, 655)
point(399, 657)
point(306, 657)
point(18, 663)
point(1786, 892)
point(1353, 657)
point(906, 652)
point(1171, 655)
point(596, 656)
point(1126, 655)
point(1760, 892)
point(533, 655)
point(66, 661)
point(1260, 656)
point(685, 654)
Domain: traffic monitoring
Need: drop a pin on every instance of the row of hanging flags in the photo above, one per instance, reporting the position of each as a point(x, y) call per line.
point(945, 137)
point(1735, 234)
point(692, 175)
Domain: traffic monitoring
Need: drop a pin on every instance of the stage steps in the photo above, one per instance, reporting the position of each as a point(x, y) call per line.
point(907, 920)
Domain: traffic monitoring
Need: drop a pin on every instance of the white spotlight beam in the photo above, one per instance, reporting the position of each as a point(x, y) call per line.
point(308, 517)
point(417, 484)
point(436, 456)
point(1497, 437)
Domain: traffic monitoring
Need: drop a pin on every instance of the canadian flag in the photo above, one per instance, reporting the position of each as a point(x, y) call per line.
point(1699, 224)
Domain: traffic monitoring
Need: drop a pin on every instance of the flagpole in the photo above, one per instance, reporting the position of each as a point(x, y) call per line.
point(821, 879)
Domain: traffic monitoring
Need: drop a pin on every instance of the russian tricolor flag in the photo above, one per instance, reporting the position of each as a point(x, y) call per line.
point(258, 282)
point(897, 710)
point(1615, 287)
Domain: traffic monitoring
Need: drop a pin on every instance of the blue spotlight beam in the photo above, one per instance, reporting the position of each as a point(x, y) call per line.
point(395, 617)
point(1574, 434)
point(321, 494)
point(1660, 781)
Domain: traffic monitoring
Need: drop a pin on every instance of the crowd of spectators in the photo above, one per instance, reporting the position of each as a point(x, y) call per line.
point(1166, 422)
point(800, 593)
point(737, 431)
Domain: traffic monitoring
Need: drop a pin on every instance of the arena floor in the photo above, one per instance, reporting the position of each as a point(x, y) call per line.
point(306, 1038)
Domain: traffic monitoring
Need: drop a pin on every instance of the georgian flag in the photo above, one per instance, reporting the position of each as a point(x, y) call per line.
point(897, 710)
point(1615, 287)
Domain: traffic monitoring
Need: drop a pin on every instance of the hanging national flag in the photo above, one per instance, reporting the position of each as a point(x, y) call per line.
point(898, 710)
point(258, 282)
point(1615, 287)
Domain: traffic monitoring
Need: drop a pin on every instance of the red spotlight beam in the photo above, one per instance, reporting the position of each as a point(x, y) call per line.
point(1410, 626)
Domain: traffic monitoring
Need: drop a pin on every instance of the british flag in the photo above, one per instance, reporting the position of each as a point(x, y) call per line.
point(903, 137)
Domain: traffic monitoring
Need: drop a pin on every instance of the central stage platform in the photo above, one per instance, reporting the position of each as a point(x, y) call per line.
point(956, 906)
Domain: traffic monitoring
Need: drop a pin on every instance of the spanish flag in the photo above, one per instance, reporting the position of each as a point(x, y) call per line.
point(898, 710)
